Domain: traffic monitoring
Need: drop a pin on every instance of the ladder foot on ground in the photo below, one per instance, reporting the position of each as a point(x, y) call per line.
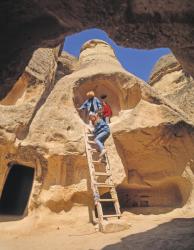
point(97, 186)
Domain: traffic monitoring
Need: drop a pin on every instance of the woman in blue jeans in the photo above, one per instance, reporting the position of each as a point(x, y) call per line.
point(101, 131)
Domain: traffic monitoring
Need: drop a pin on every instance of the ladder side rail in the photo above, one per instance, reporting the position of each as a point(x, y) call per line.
point(108, 169)
point(89, 158)
point(93, 186)
point(113, 190)
point(91, 168)
point(116, 203)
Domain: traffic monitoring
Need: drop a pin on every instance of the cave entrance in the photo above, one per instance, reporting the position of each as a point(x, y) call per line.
point(17, 189)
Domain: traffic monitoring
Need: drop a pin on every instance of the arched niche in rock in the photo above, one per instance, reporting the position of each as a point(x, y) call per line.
point(113, 87)
point(155, 197)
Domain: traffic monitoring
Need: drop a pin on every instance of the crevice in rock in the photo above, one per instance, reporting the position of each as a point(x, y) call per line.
point(23, 131)
point(16, 93)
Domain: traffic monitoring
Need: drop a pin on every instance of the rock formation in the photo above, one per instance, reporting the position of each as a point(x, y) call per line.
point(19, 105)
point(135, 23)
point(173, 83)
point(66, 65)
point(150, 150)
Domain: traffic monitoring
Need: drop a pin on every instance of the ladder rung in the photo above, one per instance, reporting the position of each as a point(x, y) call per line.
point(103, 184)
point(93, 150)
point(107, 200)
point(111, 215)
point(91, 142)
point(96, 162)
point(90, 135)
point(100, 162)
point(102, 174)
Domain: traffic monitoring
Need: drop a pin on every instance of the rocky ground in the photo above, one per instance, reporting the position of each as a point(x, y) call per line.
point(70, 231)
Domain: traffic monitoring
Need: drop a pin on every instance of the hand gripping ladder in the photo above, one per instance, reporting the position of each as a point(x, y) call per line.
point(96, 186)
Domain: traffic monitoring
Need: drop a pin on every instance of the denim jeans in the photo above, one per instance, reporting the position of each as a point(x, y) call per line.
point(107, 119)
point(101, 138)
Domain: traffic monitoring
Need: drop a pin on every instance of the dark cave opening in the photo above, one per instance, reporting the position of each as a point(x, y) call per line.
point(17, 189)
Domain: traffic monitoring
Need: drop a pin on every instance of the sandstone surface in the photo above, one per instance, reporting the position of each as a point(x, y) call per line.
point(34, 24)
point(150, 150)
point(173, 83)
point(66, 65)
point(20, 104)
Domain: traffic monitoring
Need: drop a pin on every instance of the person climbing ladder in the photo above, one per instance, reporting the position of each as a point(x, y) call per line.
point(98, 169)
point(101, 132)
point(92, 104)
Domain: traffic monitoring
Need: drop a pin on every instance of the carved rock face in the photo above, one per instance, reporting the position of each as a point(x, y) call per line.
point(170, 80)
point(150, 149)
point(139, 24)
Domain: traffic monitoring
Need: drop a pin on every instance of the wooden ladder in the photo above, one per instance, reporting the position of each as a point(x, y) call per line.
point(95, 185)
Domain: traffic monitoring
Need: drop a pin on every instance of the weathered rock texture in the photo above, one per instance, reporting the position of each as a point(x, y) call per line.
point(66, 65)
point(19, 106)
point(33, 24)
point(151, 149)
point(173, 83)
point(164, 66)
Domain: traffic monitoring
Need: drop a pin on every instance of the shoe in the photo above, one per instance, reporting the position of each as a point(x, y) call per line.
point(102, 153)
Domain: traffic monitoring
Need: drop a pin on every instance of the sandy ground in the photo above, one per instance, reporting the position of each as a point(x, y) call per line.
point(72, 231)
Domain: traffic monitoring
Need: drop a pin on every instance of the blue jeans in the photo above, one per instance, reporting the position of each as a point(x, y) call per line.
point(107, 119)
point(101, 138)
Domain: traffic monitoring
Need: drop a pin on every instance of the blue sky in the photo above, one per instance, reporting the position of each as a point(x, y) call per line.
point(137, 61)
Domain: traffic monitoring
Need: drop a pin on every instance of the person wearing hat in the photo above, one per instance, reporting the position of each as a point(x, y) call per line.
point(92, 104)
point(101, 131)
